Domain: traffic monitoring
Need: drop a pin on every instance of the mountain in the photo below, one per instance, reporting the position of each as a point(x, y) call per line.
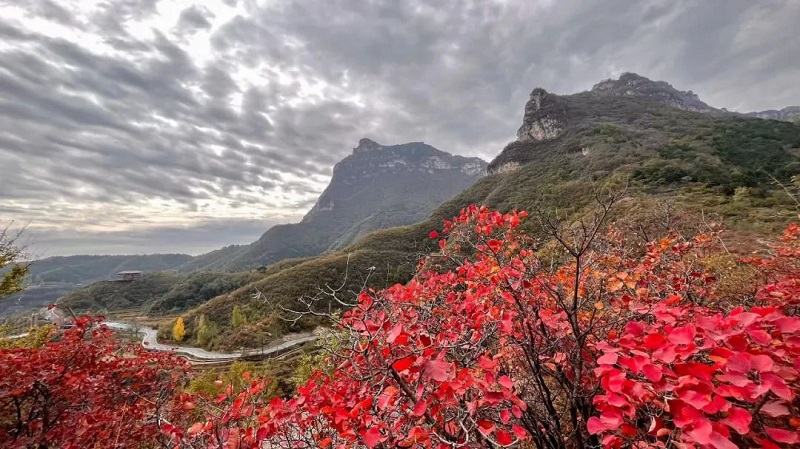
point(83, 269)
point(52, 277)
point(156, 293)
point(376, 187)
point(791, 113)
point(634, 85)
point(678, 157)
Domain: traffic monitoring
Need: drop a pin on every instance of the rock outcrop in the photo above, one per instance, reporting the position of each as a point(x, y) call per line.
point(545, 117)
point(366, 145)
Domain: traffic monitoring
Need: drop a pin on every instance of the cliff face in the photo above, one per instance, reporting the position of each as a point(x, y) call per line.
point(375, 175)
point(375, 187)
point(545, 117)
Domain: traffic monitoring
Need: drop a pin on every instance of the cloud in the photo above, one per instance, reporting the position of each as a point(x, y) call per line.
point(191, 239)
point(139, 115)
point(193, 18)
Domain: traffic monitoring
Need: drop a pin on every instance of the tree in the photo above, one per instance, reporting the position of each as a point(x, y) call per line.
point(178, 330)
point(205, 331)
point(13, 270)
point(84, 388)
point(237, 317)
point(588, 342)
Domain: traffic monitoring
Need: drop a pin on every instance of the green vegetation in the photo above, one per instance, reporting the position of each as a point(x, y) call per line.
point(53, 277)
point(12, 268)
point(161, 293)
point(237, 317)
point(259, 302)
point(205, 331)
point(85, 269)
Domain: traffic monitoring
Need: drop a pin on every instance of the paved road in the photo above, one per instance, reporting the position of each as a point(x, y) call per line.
point(150, 341)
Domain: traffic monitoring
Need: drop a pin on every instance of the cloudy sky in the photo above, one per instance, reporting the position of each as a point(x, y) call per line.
point(132, 126)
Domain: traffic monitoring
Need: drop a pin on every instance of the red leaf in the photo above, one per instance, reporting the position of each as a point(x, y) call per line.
point(682, 335)
point(652, 373)
point(595, 426)
point(775, 409)
point(654, 341)
point(495, 245)
point(719, 441)
point(504, 438)
point(371, 437)
point(485, 426)
point(781, 435)
point(739, 420)
point(787, 325)
point(403, 364)
point(609, 358)
point(392, 335)
point(420, 407)
point(506, 382)
point(438, 370)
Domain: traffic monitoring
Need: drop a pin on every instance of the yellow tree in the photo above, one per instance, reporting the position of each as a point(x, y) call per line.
point(178, 331)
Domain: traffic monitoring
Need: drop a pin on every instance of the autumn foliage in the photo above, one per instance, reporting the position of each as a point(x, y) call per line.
point(583, 338)
point(502, 340)
point(83, 389)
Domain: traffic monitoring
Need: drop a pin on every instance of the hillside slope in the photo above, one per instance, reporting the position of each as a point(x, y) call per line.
point(376, 187)
point(664, 145)
point(158, 293)
point(53, 277)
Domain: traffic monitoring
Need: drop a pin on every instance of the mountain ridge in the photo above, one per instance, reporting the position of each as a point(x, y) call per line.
point(375, 187)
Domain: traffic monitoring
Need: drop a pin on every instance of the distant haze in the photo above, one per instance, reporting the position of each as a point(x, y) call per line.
point(137, 126)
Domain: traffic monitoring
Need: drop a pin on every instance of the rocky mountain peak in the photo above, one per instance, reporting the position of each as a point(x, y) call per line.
point(634, 85)
point(545, 116)
point(365, 145)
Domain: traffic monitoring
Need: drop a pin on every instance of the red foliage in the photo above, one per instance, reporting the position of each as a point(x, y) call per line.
point(606, 349)
point(699, 378)
point(228, 420)
point(500, 339)
point(84, 389)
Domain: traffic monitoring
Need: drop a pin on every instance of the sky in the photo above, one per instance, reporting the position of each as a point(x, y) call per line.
point(141, 126)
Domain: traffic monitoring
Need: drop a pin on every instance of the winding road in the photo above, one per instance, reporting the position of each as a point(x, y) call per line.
point(150, 341)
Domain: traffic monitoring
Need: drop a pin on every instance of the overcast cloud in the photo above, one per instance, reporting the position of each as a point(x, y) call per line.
point(131, 126)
